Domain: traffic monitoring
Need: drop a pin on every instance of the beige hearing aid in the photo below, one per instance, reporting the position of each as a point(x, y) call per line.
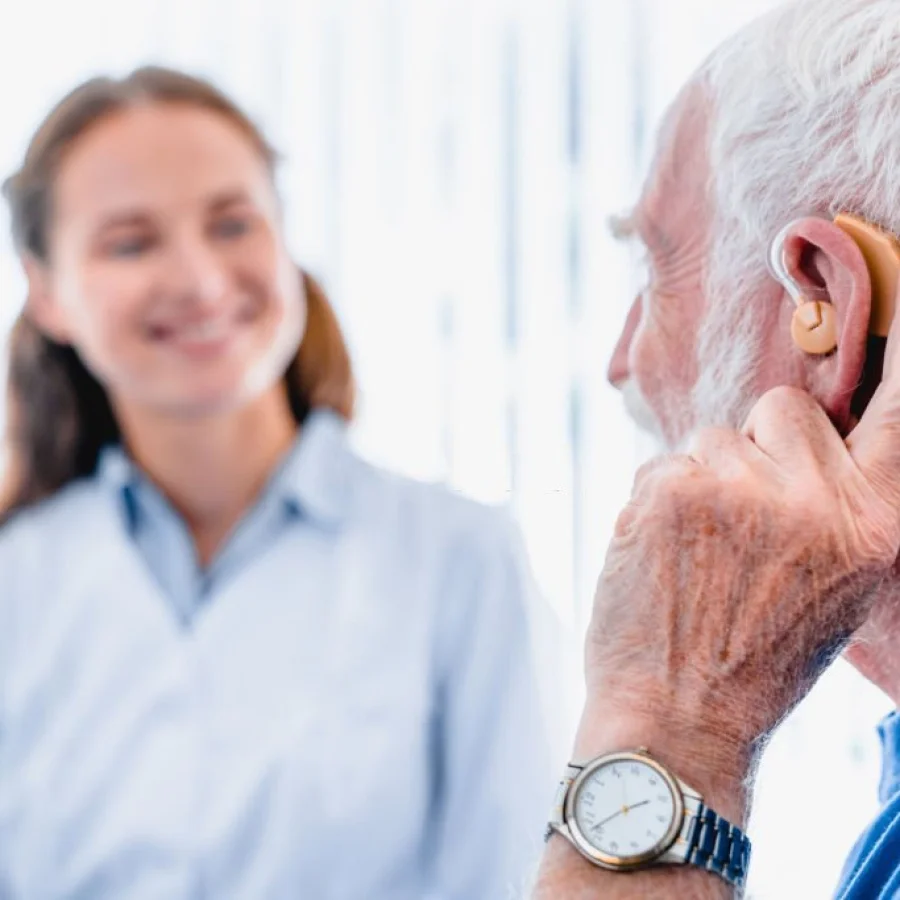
point(814, 325)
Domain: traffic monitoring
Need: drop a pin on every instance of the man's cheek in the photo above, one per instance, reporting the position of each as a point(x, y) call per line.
point(661, 374)
point(650, 361)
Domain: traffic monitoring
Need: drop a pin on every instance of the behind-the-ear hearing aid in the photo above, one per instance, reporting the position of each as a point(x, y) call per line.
point(814, 326)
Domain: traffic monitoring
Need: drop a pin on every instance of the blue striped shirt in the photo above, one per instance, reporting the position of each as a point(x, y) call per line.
point(872, 871)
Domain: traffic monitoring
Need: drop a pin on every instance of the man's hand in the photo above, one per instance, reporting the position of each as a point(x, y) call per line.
point(738, 572)
point(735, 575)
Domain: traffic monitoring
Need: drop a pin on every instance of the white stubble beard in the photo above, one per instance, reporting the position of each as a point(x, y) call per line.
point(640, 411)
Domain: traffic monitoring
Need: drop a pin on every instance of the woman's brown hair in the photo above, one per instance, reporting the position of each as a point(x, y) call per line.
point(58, 415)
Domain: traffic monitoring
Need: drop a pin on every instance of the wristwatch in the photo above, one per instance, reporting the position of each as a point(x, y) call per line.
point(626, 811)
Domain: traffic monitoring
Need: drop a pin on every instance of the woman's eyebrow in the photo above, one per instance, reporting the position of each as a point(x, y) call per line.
point(123, 218)
point(229, 197)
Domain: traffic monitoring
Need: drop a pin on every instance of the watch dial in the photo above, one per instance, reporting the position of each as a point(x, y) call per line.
point(624, 808)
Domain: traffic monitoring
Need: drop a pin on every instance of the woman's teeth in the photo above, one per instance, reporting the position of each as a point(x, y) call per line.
point(208, 330)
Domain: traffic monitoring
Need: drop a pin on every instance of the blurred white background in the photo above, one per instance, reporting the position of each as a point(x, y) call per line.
point(450, 166)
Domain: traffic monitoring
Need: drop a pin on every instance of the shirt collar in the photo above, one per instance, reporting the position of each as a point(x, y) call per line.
point(313, 479)
point(316, 474)
point(889, 732)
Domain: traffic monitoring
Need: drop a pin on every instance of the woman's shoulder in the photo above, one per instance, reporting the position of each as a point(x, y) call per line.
point(435, 509)
point(49, 526)
point(334, 472)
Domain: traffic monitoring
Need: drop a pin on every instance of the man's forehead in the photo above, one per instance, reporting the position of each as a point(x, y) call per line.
point(680, 167)
point(691, 106)
point(683, 136)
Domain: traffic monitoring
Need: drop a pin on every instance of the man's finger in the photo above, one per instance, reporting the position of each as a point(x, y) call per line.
point(789, 426)
point(665, 465)
point(726, 452)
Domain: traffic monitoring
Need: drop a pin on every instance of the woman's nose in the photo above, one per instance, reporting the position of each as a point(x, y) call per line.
point(198, 273)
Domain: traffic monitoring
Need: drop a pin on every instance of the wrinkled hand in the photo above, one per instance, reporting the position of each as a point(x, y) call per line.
point(739, 571)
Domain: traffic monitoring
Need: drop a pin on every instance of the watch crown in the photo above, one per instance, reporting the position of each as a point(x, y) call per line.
point(643, 751)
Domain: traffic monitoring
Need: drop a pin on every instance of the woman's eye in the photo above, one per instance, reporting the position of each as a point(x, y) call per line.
point(232, 227)
point(128, 247)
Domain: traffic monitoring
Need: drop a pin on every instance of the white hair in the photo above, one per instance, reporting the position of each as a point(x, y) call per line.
point(806, 120)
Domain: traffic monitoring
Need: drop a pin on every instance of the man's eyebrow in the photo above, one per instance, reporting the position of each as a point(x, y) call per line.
point(624, 226)
point(635, 227)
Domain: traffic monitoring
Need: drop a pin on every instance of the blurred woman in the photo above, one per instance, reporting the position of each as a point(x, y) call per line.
point(235, 659)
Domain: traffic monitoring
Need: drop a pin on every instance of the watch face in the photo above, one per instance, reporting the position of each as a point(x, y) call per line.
point(626, 810)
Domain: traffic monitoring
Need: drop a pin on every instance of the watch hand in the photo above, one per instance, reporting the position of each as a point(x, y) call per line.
point(610, 818)
point(623, 811)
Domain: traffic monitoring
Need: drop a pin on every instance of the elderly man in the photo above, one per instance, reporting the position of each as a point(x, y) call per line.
point(741, 568)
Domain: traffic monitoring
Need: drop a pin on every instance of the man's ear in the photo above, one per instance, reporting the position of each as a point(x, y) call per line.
point(41, 305)
point(827, 266)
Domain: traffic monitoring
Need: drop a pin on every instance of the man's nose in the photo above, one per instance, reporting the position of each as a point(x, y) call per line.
point(618, 371)
point(198, 273)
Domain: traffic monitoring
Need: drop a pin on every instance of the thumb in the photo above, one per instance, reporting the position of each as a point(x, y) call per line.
point(874, 444)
